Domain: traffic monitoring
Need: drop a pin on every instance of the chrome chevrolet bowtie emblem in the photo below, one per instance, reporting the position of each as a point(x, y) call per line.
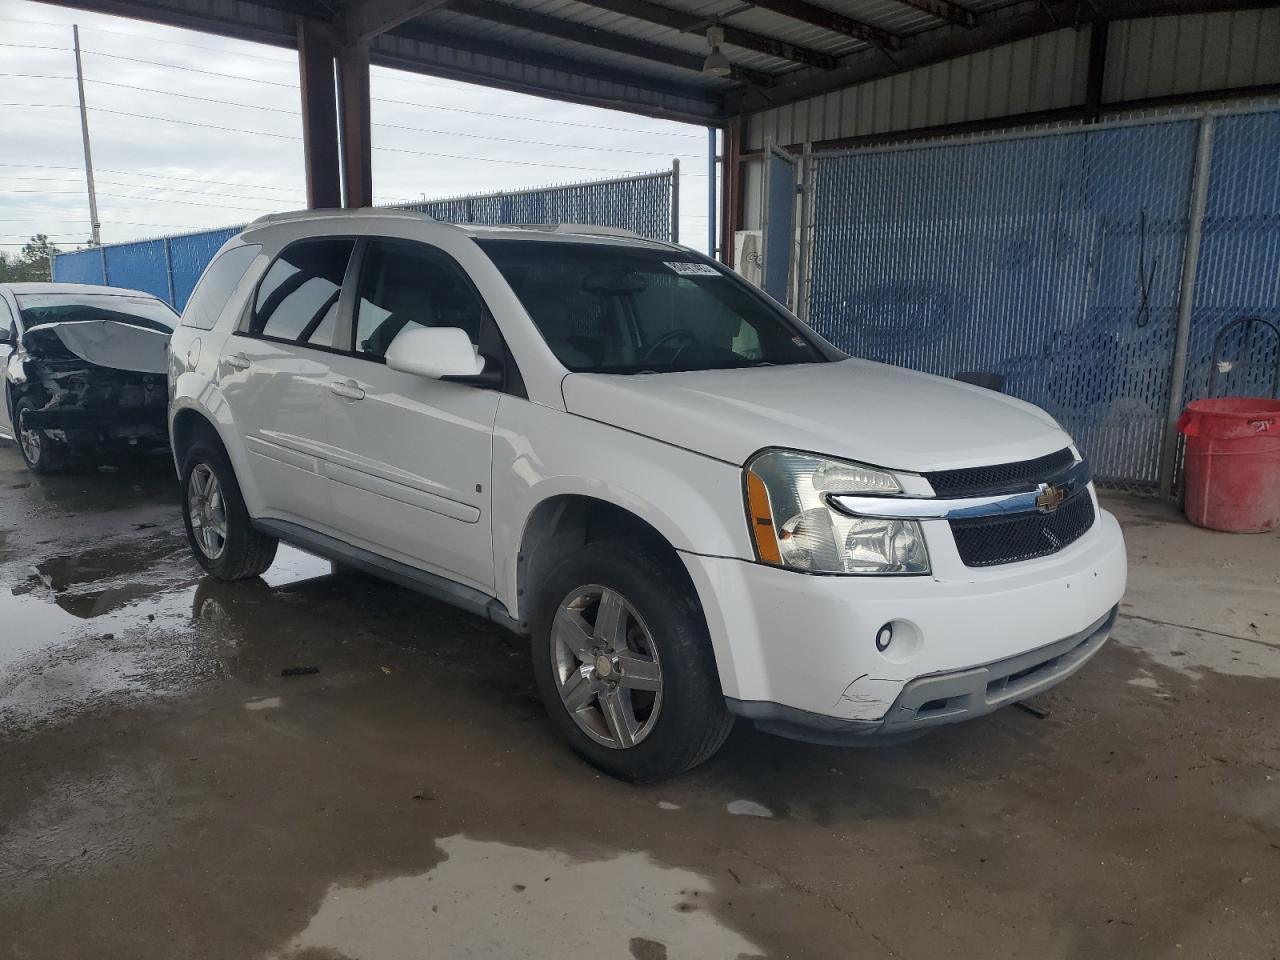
point(1049, 498)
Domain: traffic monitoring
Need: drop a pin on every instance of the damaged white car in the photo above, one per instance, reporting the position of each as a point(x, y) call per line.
point(84, 370)
point(693, 505)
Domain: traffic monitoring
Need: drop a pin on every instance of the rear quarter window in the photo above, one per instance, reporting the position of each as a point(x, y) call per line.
point(216, 285)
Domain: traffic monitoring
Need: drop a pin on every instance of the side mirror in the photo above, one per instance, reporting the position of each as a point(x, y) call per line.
point(436, 352)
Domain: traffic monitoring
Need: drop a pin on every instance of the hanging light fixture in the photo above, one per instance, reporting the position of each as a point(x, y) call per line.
point(716, 64)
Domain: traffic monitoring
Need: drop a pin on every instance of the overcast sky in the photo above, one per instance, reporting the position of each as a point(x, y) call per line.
point(225, 164)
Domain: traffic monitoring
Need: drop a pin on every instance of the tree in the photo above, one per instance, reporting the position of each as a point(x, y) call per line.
point(34, 262)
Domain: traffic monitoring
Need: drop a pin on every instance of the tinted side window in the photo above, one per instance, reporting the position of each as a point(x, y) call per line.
point(216, 285)
point(403, 283)
point(298, 298)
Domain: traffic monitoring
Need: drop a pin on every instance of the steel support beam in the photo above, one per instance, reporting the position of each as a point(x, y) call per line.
point(684, 22)
point(357, 146)
point(1095, 72)
point(944, 10)
point(319, 114)
point(730, 188)
point(818, 16)
point(363, 21)
point(500, 13)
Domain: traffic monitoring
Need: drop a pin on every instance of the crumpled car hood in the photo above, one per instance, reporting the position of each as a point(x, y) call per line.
point(104, 343)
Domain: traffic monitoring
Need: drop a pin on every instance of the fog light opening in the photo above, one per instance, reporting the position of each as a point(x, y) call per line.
point(899, 641)
point(884, 637)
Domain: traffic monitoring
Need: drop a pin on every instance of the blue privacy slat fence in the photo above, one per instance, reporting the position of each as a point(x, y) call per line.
point(1053, 258)
point(1238, 274)
point(170, 266)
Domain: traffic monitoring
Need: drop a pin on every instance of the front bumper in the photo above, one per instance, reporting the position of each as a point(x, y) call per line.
point(799, 651)
point(75, 418)
point(942, 698)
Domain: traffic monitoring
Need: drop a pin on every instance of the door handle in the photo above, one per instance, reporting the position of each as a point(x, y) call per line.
point(239, 361)
point(347, 389)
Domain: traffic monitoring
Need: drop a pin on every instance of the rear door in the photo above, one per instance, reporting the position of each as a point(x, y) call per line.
point(412, 455)
point(276, 377)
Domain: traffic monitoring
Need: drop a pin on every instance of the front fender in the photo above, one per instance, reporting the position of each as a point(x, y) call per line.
point(693, 501)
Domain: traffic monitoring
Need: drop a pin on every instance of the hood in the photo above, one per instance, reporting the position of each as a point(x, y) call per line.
point(104, 343)
point(855, 409)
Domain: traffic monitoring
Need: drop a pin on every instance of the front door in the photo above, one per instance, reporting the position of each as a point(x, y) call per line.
point(411, 456)
point(276, 377)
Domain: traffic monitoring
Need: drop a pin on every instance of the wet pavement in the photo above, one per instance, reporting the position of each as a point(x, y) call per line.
point(165, 792)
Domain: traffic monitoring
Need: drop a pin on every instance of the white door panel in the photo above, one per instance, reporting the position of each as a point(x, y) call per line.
point(410, 467)
point(277, 394)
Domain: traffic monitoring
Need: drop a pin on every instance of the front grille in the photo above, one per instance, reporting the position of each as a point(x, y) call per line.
point(1000, 477)
point(989, 541)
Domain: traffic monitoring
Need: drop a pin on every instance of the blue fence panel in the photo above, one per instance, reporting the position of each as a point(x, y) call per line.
point(1238, 274)
point(642, 204)
point(1053, 259)
point(139, 266)
point(779, 223)
point(170, 267)
point(82, 266)
point(189, 255)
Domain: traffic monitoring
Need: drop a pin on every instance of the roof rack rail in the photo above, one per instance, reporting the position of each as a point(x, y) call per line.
point(336, 212)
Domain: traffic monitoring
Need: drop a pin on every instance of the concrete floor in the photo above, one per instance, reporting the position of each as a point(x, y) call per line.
point(166, 793)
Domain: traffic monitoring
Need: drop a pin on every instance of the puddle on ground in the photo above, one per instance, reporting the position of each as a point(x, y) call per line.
point(748, 808)
point(131, 618)
point(492, 901)
point(1192, 652)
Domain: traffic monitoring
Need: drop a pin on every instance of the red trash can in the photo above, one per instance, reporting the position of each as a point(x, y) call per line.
point(1232, 468)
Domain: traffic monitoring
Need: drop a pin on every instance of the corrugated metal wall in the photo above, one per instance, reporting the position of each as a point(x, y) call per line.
point(1211, 51)
point(1054, 258)
point(169, 267)
point(1149, 57)
point(1040, 73)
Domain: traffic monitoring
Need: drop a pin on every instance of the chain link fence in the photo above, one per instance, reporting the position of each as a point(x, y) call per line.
point(170, 266)
point(1055, 258)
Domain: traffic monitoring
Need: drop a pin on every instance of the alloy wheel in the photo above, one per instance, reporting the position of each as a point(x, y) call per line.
point(31, 441)
point(606, 666)
point(207, 511)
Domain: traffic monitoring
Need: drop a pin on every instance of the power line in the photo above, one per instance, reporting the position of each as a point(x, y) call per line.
point(406, 103)
point(143, 186)
point(155, 176)
point(285, 136)
point(142, 36)
point(390, 126)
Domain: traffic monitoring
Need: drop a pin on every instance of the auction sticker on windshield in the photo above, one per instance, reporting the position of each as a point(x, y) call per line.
point(692, 269)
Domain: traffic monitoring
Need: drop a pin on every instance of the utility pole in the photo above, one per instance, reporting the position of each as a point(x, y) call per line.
point(84, 133)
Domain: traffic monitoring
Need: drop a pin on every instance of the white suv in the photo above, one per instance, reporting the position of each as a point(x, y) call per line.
point(694, 506)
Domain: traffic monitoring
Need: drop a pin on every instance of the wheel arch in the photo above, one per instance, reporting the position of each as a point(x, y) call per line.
point(188, 422)
point(566, 521)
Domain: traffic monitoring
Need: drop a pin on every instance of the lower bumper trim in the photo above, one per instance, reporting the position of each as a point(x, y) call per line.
point(939, 699)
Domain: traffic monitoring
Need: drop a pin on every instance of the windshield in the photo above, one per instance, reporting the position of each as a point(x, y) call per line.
point(616, 309)
point(41, 308)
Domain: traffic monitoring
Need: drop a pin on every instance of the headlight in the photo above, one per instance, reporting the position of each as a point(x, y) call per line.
point(794, 526)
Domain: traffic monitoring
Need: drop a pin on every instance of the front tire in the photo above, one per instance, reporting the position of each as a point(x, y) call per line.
point(219, 529)
point(624, 665)
point(39, 451)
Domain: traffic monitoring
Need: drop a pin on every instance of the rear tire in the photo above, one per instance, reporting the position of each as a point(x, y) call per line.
point(40, 452)
point(624, 665)
point(219, 528)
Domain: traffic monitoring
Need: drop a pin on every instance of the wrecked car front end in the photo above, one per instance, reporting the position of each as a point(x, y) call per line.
point(91, 386)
